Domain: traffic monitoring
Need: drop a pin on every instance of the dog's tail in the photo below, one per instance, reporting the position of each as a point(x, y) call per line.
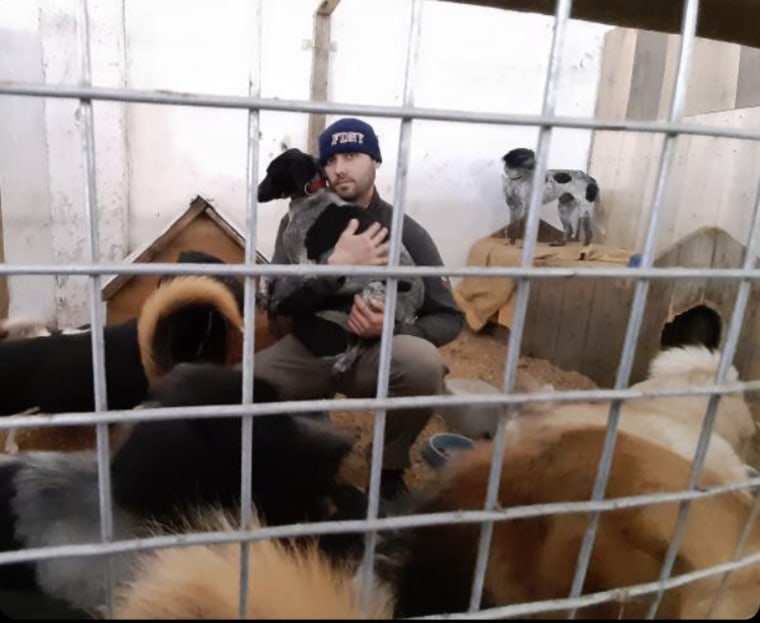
point(202, 582)
point(188, 318)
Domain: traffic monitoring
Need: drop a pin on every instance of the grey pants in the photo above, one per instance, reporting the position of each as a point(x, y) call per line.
point(416, 370)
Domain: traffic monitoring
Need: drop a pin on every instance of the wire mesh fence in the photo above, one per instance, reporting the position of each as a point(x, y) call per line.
point(525, 275)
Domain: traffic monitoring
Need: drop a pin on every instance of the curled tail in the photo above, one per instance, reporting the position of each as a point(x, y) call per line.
point(202, 582)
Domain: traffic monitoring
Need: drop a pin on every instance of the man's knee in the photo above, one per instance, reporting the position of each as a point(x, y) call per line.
point(416, 366)
point(296, 373)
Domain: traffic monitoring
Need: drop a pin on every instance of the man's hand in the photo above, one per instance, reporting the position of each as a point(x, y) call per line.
point(366, 249)
point(365, 320)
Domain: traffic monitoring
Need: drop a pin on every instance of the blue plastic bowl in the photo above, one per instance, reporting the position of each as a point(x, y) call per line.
point(441, 446)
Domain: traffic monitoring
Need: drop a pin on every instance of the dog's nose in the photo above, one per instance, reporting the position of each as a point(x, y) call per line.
point(265, 191)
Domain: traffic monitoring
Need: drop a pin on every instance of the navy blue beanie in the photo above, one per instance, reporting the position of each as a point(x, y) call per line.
point(348, 135)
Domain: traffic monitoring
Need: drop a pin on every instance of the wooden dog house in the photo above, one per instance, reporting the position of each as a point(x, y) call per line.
point(580, 323)
point(201, 227)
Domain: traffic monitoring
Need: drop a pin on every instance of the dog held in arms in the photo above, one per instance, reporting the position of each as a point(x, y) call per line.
point(576, 192)
point(317, 217)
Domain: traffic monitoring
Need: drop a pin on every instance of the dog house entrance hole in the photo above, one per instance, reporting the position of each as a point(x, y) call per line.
point(698, 325)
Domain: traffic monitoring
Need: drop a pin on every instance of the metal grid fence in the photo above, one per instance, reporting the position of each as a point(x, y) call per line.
point(407, 112)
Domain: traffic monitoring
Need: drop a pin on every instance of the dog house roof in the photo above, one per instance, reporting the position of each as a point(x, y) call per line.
point(147, 252)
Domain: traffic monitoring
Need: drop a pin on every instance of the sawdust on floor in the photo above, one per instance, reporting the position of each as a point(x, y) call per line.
point(472, 355)
point(477, 356)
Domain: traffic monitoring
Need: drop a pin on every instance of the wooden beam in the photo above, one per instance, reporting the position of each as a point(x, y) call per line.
point(320, 66)
point(736, 21)
point(4, 298)
point(327, 7)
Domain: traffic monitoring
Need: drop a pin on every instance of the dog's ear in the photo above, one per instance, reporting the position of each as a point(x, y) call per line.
point(287, 174)
point(302, 168)
point(520, 158)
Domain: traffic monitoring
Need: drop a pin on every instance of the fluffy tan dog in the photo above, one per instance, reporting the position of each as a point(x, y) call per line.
point(534, 558)
point(672, 421)
point(202, 582)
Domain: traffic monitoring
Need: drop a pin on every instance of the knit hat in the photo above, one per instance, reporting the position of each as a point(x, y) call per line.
point(348, 135)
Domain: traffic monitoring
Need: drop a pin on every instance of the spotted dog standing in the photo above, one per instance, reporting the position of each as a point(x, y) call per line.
point(576, 192)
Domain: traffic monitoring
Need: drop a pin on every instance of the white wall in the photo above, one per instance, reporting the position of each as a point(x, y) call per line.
point(152, 160)
point(24, 163)
point(41, 169)
point(474, 59)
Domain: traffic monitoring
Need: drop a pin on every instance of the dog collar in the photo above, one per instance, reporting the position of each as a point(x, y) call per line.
point(314, 185)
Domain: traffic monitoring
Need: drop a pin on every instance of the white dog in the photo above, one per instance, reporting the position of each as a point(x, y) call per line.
point(674, 422)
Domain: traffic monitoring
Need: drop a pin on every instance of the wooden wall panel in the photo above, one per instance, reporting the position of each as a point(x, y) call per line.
point(713, 77)
point(4, 299)
point(713, 181)
point(615, 73)
point(748, 88)
point(646, 78)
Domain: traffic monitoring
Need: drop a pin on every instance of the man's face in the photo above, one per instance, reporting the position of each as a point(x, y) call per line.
point(352, 176)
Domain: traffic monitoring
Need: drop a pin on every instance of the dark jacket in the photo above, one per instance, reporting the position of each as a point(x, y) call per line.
point(439, 320)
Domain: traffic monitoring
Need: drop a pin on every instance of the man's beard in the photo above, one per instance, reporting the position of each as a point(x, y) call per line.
point(350, 194)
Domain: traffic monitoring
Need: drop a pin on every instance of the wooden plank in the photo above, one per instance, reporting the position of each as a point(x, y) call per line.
point(648, 72)
point(748, 83)
point(542, 320)
point(713, 77)
point(638, 164)
point(747, 359)
point(673, 206)
point(615, 73)
point(574, 322)
point(721, 294)
point(713, 181)
point(609, 312)
point(531, 342)
point(673, 45)
point(625, 166)
point(327, 7)
point(320, 65)
point(4, 298)
point(603, 156)
point(734, 21)
point(583, 362)
point(741, 162)
point(695, 201)
point(656, 315)
point(695, 252)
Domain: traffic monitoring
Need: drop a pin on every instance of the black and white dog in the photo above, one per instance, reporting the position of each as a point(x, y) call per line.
point(165, 471)
point(576, 192)
point(316, 218)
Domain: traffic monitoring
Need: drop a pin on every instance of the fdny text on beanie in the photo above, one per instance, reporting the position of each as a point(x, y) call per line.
point(348, 135)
